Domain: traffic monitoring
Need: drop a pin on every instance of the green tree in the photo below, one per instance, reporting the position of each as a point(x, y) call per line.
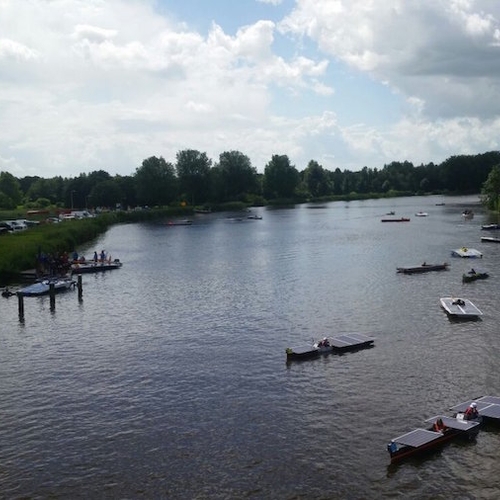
point(106, 194)
point(280, 178)
point(316, 179)
point(193, 173)
point(234, 177)
point(10, 187)
point(490, 194)
point(156, 183)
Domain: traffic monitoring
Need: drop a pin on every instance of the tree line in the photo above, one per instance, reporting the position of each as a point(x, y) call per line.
point(195, 180)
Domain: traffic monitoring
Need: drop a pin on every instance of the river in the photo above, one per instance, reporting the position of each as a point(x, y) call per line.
point(168, 379)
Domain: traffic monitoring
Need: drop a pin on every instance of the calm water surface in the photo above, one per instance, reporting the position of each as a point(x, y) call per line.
point(169, 380)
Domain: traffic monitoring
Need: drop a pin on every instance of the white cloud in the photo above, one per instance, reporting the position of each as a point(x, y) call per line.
point(91, 84)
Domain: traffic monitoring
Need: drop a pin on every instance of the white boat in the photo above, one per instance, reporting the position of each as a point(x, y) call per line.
point(421, 214)
point(467, 253)
point(43, 287)
point(460, 308)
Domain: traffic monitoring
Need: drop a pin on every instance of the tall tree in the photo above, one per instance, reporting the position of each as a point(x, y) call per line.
point(490, 193)
point(281, 178)
point(106, 194)
point(156, 183)
point(193, 173)
point(234, 176)
point(316, 179)
point(10, 187)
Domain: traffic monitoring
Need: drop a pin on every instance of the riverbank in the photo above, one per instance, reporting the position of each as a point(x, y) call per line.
point(19, 251)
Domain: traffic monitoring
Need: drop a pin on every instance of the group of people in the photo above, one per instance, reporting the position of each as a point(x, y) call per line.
point(471, 413)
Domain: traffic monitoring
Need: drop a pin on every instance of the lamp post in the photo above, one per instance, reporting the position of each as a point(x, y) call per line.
point(72, 192)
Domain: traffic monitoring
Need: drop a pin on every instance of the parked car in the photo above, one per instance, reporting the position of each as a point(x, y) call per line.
point(17, 225)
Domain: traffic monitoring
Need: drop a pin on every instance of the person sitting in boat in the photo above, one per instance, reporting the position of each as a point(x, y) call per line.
point(324, 343)
point(472, 271)
point(471, 413)
point(458, 302)
point(439, 425)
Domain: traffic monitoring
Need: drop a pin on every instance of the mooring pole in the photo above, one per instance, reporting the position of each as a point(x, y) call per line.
point(52, 293)
point(20, 303)
point(80, 287)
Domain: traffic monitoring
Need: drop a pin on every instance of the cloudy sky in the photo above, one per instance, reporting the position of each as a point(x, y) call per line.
point(104, 84)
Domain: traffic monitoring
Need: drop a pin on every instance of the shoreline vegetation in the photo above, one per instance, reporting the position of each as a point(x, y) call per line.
point(18, 252)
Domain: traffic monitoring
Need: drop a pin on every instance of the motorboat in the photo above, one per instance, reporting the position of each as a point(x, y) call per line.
point(343, 343)
point(423, 440)
point(467, 253)
point(422, 268)
point(460, 308)
point(468, 214)
point(474, 275)
point(44, 287)
point(421, 214)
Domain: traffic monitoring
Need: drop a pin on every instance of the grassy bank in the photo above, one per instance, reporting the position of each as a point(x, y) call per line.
point(18, 251)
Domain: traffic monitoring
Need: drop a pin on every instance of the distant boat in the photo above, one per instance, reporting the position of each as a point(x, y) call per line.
point(179, 222)
point(474, 275)
point(423, 268)
point(468, 214)
point(490, 227)
point(490, 239)
point(254, 217)
point(90, 266)
point(347, 342)
point(421, 214)
point(460, 308)
point(401, 219)
point(467, 253)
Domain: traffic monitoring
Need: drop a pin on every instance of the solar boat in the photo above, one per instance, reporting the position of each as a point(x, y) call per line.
point(423, 440)
point(423, 268)
point(467, 253)
point(488, 408)
point(460, 308)
point(343, 343)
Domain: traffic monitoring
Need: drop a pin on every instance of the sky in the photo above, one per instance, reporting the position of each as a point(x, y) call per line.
point(91, 85)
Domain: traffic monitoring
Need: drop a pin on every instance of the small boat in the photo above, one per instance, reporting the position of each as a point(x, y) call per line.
point(489, 239)
point(91, 266)
point(488, 408)
point(43, 287)
point(392, 212)
point(460, 308)
point(401, 219)
point(468, 214)
point(490, 227)
point(202, 210)
point(423, 440)
point(180, 222)
point(474, 275)
point(423, 268)
point(254, 217)
point(467, 253)
point(343, 343)
point(421, 214)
